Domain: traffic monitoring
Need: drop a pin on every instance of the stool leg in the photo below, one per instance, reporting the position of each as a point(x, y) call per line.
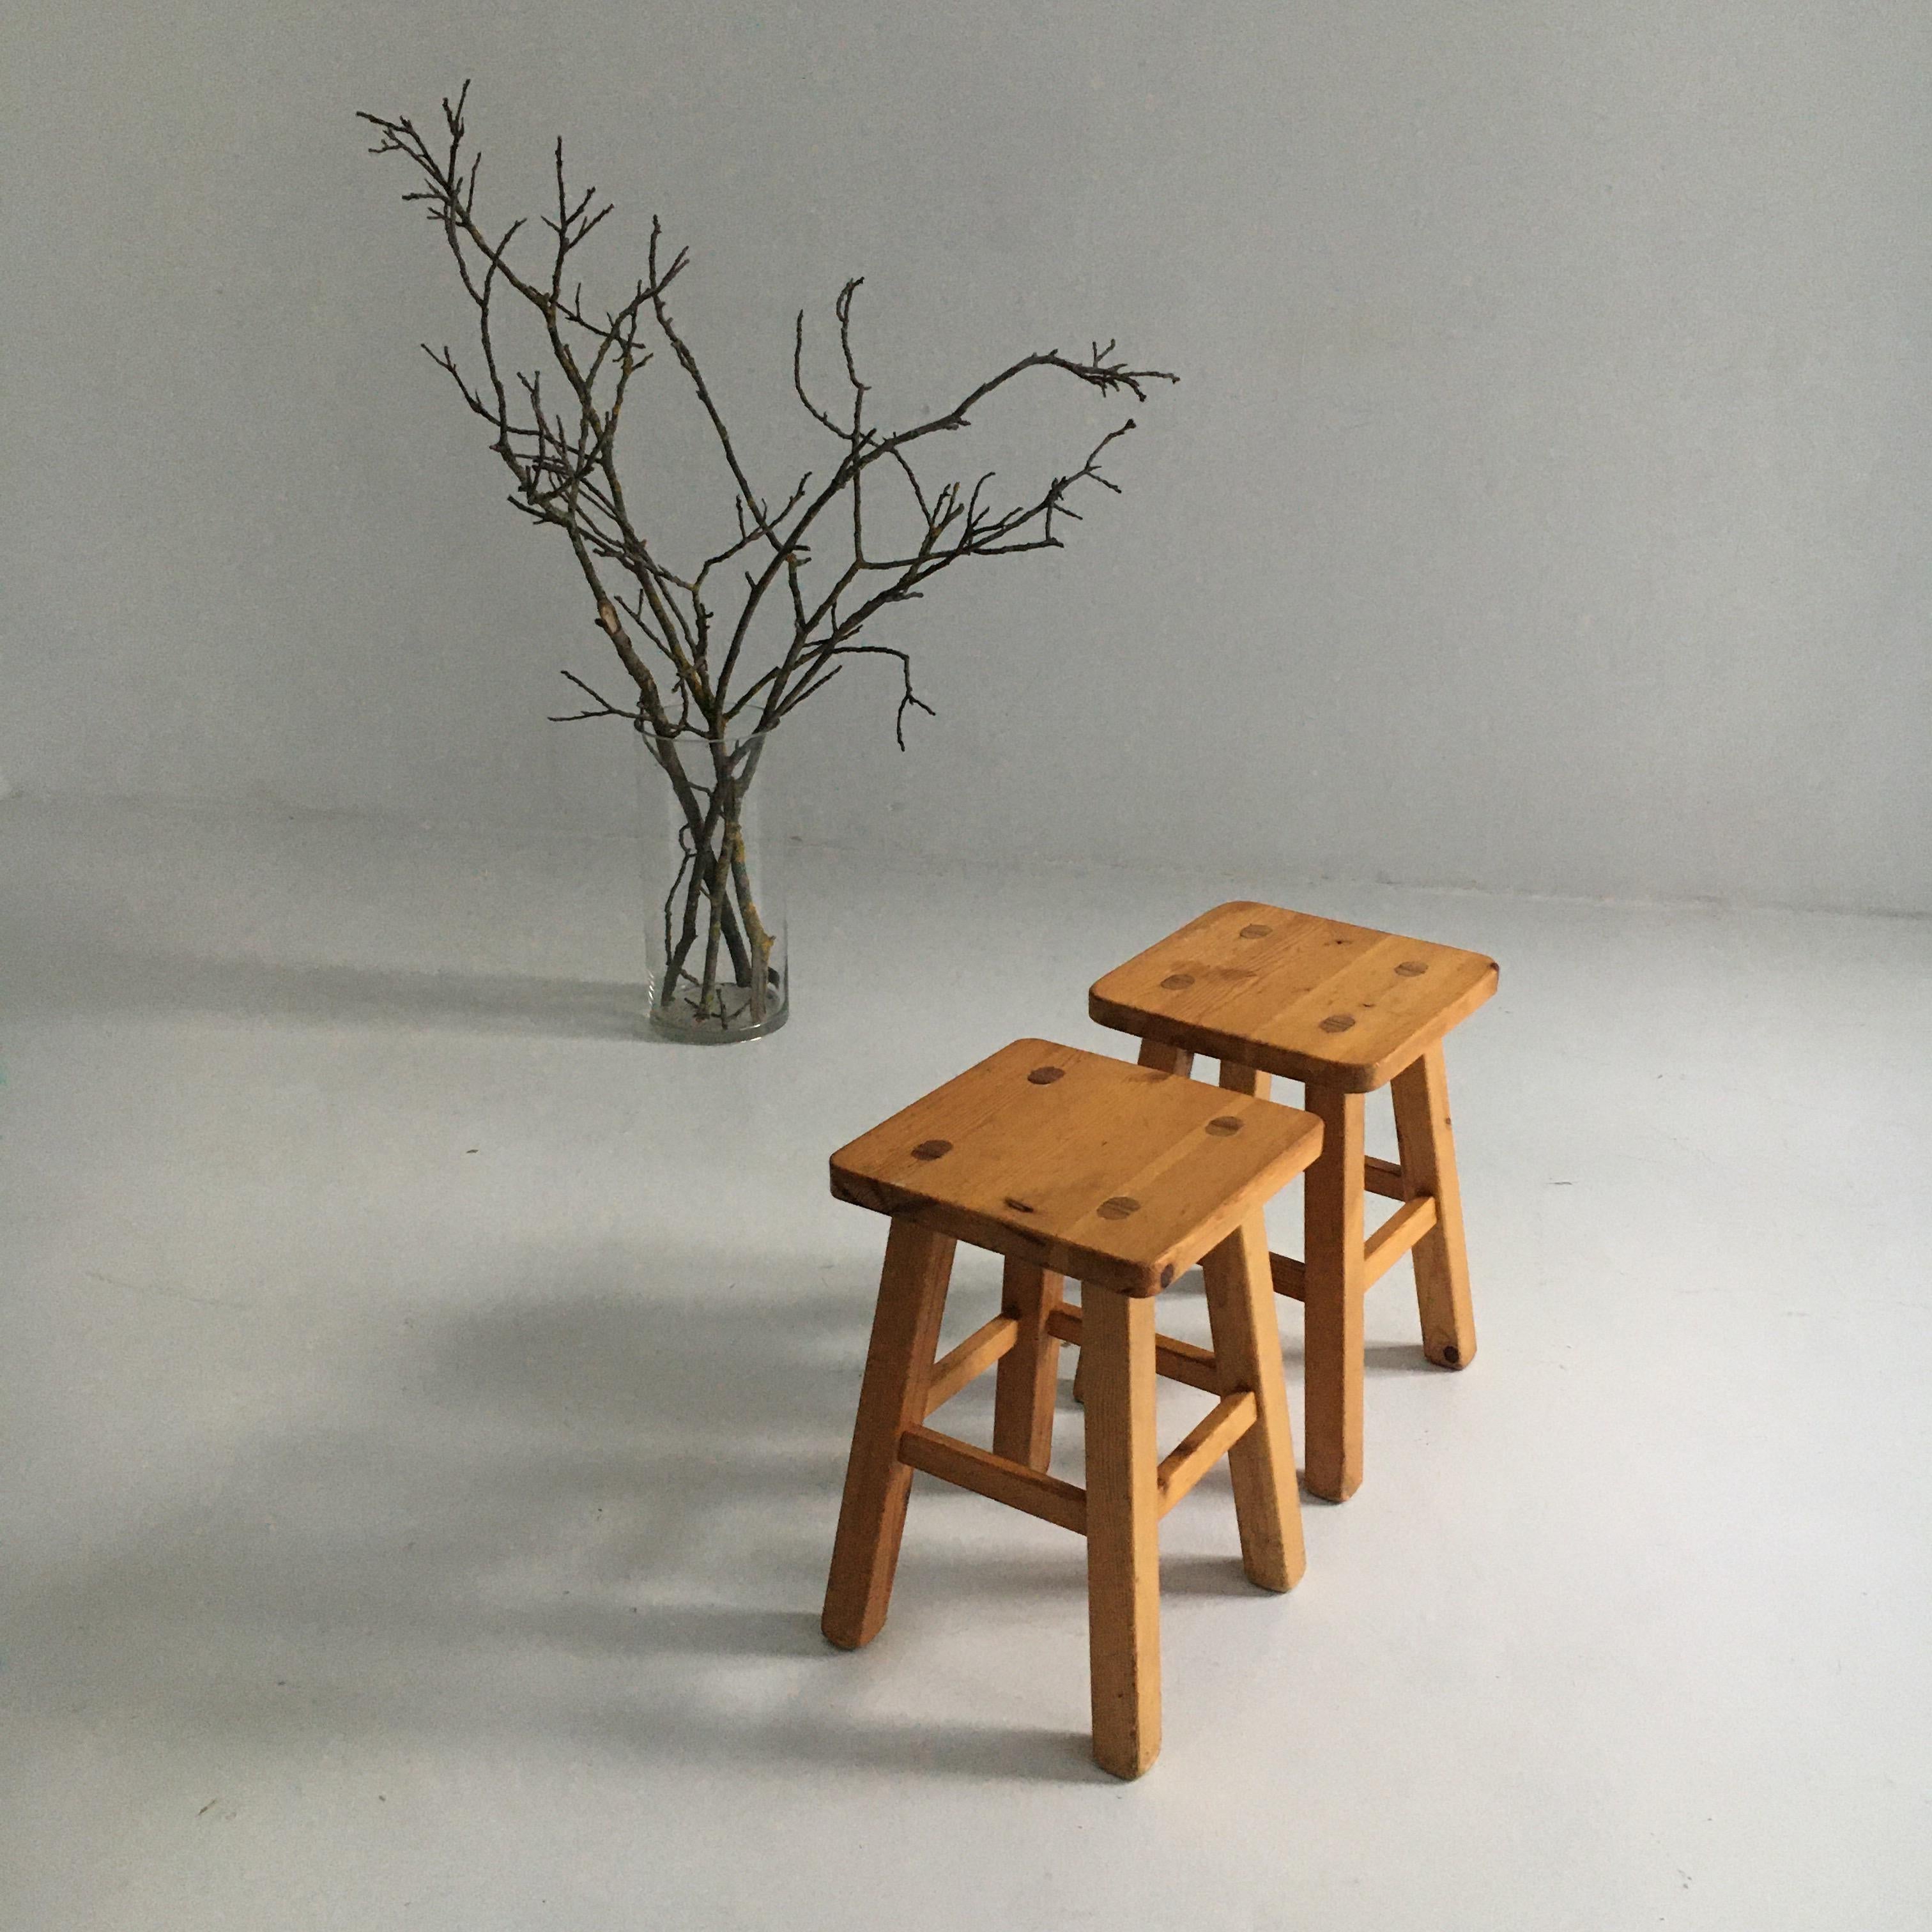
point(1166, 1059)
point(1247, 1353)
point(891, 1399)
point(1332, 1313)
point(1237, 1078)
point(1028, 1372)
point(1420, 1093)
point(1122, 1541)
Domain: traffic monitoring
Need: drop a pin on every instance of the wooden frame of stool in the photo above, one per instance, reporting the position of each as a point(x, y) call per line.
point(1424, 1181)
point(1026, 1487)
point(1347, 1010)
point(1428, 1226)
point(1129, 1488)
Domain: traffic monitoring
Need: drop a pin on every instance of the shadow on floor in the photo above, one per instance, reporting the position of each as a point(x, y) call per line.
point(1399, 1358)
point(596, 1516)
point(592, 1506)
point(104, 978)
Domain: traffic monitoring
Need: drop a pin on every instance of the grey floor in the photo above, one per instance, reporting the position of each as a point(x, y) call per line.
point(425, 1405)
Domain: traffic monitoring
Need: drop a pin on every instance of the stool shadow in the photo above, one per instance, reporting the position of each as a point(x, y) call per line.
point(977, 1751)
point(823, 1738)
point(1379, 1358)
point(505, 1527)
point(1399, 1358)
point(1211, 1576)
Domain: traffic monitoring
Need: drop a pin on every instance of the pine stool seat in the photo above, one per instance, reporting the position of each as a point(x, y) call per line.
point(1067, 1162)
point(1346, 1010)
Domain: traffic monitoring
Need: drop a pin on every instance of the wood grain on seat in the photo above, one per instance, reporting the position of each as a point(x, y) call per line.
point(1289, 993)
point(1113, 1173)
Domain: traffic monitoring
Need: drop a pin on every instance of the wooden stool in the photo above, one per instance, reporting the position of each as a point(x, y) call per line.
point(1068, 1163)
point(1346, 1010)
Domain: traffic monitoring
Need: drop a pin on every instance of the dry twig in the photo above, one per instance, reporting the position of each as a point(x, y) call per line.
point(686, 660)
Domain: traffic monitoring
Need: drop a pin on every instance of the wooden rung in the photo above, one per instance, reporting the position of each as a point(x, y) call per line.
point(1013, 1484)
point(1183, 1362)
point(1288, 1275)
point(973, 1357)
point(1396, 1236)
point(1178, 1361)
point(1383, 1177)
point(1204, 1444)
point(1386, 1246)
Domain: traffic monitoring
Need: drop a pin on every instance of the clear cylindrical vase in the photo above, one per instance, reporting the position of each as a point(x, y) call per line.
point(714, 848)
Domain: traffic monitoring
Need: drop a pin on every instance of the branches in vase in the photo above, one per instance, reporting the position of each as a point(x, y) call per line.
point(808, 564)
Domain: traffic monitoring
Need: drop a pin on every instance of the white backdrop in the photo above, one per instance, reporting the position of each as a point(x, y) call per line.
point(1545, 504)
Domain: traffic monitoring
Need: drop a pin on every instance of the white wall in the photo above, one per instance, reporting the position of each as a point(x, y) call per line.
point(1546, 504)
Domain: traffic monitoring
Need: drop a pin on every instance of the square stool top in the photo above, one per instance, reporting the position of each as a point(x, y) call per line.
point(1116, 1175)
point(1310, 999)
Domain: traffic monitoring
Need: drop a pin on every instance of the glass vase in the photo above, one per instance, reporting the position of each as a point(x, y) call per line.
point(714, 886)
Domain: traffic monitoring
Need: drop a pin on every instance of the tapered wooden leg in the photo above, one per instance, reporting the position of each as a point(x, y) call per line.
point(1332, 1311)
point(1028, 1374)
point(1166, 1059)
point(1122, 1543)
point(891, 1399)
point(1080, 1376)
point(1247, 1352)
point(1420, 1093)
point(1239, 1079)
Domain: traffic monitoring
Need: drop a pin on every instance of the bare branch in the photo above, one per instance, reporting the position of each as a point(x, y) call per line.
point(798, 380)
point(1097, 372)
point(908, 701)
point(605, 709)
point(562, 452)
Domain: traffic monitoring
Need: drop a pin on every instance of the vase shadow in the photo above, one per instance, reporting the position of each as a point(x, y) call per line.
point(105, 978)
